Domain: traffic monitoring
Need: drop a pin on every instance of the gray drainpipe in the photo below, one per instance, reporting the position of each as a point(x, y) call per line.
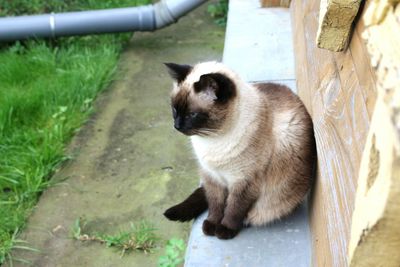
point(144, 18)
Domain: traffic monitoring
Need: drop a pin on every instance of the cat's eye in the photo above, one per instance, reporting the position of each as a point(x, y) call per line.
point(193, 114)
point(174, 112)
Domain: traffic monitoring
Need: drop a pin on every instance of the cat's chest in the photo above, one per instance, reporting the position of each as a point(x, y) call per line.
point(218, 159)
point(215, 154)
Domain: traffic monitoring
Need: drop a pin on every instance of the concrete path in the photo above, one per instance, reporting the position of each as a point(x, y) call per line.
point(129, 164)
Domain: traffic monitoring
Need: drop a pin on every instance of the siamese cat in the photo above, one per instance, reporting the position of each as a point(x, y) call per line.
point(254, 144)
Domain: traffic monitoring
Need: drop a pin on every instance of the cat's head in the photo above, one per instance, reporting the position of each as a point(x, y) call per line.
point(202, 97)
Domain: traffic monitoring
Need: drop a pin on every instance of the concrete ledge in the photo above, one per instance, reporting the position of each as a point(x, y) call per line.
point(258, 46)
point(284, 243)
point(258, 41)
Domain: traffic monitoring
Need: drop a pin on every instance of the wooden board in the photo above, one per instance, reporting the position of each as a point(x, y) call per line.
point(375, 231)
point(339, 91)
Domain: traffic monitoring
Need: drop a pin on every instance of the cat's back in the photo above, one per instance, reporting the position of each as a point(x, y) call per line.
point(281, 100)
point(292, 125)
point(279, 95)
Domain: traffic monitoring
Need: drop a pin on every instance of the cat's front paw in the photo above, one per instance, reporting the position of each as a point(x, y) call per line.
point(209, 228)
point(223, 232)
point(178, 213)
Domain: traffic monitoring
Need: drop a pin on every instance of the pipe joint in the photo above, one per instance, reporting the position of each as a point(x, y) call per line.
point(144, 18)
point(163, 15)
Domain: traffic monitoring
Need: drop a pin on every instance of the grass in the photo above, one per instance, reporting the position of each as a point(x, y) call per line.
point(15, 243)
point(46, 93)
point(139, 237)
point(20, 7)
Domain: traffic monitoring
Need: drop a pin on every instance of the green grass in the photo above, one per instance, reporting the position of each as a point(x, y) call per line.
point(139, 237)
point(20, 7)
point(46, 93)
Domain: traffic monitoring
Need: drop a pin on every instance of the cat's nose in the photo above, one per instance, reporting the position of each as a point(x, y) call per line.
point(178, 124)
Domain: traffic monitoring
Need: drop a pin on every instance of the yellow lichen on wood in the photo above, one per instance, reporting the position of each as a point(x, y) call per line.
point(375, 232)
point(335, 22)
point(383, 41)
point(378, 11)
point(275, 3)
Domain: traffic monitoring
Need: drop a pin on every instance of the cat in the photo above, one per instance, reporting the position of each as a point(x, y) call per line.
point(254, 143)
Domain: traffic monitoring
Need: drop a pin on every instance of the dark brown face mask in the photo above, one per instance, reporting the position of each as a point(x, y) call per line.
point(189, 117)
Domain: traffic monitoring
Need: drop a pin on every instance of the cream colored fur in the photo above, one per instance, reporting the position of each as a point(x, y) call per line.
point(256, 134)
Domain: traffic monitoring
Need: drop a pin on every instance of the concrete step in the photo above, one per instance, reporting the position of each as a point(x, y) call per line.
point(258, 42)
point(258, 46)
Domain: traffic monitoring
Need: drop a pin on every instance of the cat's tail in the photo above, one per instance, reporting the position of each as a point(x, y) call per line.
point(190, 208)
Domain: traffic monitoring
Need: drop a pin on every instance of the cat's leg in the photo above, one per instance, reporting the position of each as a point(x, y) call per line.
point(242, 195)
point(190, 208)
point(216, 197)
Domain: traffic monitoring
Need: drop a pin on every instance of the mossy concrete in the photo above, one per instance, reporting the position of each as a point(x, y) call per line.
point(129, 164)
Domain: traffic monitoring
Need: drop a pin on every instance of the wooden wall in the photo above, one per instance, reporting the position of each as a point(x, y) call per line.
point(339, 92)
point(375, 232)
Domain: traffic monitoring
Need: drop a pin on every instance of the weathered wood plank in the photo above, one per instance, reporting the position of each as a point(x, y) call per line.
point(375, 232)
point(362, 66)
point(300, 58)
point(338, 90)
point(335, 22)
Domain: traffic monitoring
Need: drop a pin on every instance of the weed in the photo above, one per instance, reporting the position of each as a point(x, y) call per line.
point(140, 237)
point(219, 11)
point(173, 253)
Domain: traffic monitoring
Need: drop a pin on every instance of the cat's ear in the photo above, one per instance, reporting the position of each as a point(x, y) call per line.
point(178, 72)
point(216, 86)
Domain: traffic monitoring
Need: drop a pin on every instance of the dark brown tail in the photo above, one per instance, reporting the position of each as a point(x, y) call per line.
point(190, 208)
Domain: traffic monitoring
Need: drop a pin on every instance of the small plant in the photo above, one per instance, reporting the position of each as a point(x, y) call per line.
point(173, 253)
point(140, 237)
point(76, 229)
point(14, 244)
point(219, 11)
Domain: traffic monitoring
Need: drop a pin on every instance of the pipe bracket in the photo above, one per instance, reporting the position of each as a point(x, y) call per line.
point(52, 22)
point(163, 15)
